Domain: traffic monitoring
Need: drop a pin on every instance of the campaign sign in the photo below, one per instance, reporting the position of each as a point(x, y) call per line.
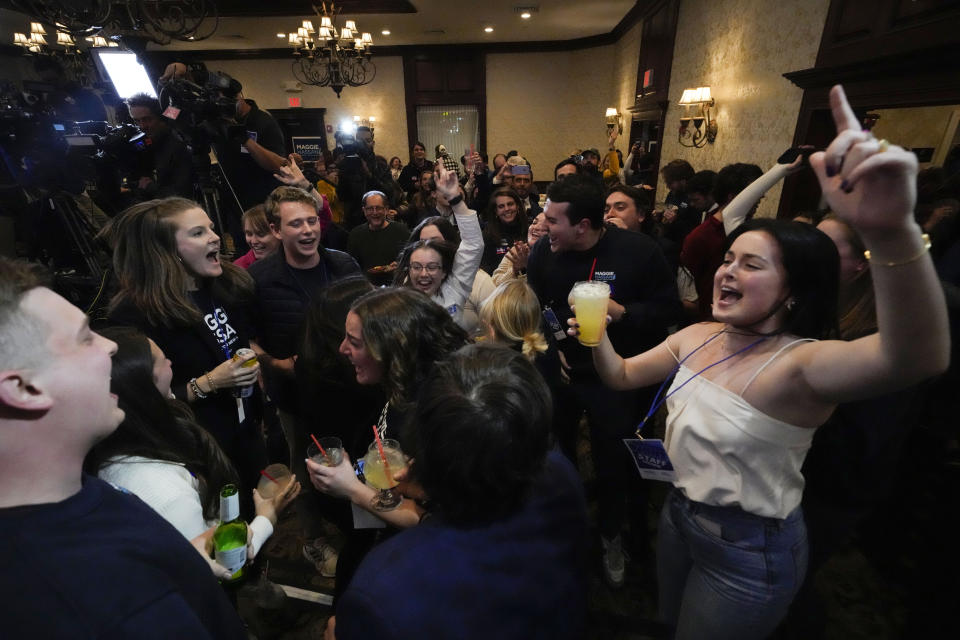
point(651, 459)
point(309, 147)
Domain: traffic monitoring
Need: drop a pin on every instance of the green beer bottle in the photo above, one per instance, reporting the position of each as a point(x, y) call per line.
point(230, 538)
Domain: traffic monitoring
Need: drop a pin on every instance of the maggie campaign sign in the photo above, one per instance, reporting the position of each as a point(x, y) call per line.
point(309, 147)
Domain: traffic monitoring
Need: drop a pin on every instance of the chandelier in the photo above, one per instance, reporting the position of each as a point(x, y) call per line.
point(332, 57)
point(65, 51)
point(158, 21)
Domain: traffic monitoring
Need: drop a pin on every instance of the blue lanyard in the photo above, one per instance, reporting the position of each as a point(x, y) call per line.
point(658, 402)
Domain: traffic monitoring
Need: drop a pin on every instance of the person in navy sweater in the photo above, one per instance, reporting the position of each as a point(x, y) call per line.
point(500, 552)
point(81, 559)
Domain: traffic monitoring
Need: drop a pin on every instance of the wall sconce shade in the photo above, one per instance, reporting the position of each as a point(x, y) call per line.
point(702, 97)
point(613, 119)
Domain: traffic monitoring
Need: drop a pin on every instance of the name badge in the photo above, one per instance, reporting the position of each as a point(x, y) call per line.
point(363, 519)
point(651, 459)
point(554, 324)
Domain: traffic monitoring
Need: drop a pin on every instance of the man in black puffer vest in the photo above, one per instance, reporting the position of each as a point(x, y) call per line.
point(286, 282)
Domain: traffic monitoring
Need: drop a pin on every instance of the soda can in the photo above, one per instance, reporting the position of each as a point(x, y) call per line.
point(249, 358)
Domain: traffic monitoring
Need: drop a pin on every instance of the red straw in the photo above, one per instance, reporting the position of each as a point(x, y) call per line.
point(376, 437)
point(592, 267)
point(268, 476)
point(317, 442)
point(386, 465)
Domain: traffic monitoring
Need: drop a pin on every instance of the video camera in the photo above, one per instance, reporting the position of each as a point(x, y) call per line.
point(211, 97)
point(42, 149)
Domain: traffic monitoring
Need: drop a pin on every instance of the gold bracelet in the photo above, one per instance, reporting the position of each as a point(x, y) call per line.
point(213, 387)
point(926, 247)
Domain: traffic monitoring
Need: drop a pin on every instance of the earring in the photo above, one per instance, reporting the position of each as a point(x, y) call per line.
point(790, 303)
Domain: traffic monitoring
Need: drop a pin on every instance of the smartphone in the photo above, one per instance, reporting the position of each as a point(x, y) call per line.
point(790, 155)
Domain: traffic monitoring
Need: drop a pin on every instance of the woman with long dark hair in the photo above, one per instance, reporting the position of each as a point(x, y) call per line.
point(161, 455)
point(332, 403)
point(752, 387)
point(175, 289)
point(506, 225)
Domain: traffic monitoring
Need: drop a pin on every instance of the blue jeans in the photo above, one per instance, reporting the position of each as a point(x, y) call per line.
point(726, 573)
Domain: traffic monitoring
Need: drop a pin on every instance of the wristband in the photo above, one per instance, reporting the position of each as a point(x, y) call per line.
point(306, 186)
point(196, 389)
point(457, 199)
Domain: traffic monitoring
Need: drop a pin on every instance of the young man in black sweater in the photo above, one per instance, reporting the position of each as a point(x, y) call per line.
point(643, 303)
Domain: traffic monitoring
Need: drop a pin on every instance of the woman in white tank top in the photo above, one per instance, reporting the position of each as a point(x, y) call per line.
point(751, 387)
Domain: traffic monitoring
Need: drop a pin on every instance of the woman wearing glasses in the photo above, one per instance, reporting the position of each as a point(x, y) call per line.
point(433, 266)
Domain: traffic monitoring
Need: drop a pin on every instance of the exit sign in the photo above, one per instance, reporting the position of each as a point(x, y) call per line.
point(294, 101)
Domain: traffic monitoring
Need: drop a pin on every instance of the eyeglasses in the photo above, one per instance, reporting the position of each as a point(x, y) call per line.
point(375, 209)
point(433, 267)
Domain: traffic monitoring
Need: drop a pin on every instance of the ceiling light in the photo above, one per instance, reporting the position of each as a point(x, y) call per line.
point(525, 15)
point(488, 29)
point(281, 35)
point(385, 32)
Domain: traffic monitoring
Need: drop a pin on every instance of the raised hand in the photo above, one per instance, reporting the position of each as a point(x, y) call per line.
point(290, 174)
point(868, 183)
point(447, 184)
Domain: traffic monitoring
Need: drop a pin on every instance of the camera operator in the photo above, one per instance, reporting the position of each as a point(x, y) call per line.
point(253, 151)
point(169, 156)
point(360, 173)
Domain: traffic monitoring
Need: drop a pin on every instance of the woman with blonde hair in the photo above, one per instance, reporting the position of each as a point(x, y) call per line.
point(512, 316)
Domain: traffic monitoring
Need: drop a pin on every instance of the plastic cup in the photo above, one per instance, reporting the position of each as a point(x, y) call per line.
point(334, 448)
point(590, 298)
point(267, 487)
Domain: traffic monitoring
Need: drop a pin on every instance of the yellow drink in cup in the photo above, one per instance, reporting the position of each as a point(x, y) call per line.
point(381, 477)
point(590, 299)
point(374, 470)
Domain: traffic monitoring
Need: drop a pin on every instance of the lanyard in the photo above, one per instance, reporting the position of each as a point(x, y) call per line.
point(658, 401)
point(382, 422)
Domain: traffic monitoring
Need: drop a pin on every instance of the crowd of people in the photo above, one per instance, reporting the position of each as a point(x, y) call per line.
point(432, 300)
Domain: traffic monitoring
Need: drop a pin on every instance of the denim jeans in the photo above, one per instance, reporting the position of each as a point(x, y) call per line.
point(726, 573)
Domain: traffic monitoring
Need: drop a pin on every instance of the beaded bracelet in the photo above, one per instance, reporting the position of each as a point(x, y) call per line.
point(196, 389)
point(926, 247)
point(213, 387)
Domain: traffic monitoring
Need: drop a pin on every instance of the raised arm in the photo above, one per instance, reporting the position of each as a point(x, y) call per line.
point(872, 185)
point(736, 211)
point(470, 252)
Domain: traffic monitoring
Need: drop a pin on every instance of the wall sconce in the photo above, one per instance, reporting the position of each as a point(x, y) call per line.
point(701, 135)
point(614, 119)
point(360, 121)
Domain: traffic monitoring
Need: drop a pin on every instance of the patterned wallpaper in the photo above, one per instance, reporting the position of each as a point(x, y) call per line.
point(546, 104)
point(383, 98)
point(740, 48)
